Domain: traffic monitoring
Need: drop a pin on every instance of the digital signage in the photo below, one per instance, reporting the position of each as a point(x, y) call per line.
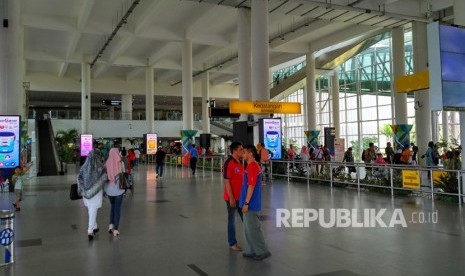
point(9, 141)
point(271, 136)
point(151, 141)
point(446, 60)
point(86, 144)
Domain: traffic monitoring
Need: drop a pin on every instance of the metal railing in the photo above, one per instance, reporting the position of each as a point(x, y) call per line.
point(383, 178)
point(212, 163)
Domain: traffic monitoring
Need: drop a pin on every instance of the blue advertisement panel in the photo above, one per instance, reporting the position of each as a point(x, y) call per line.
point(86, 144)
point(272, 137)
point(9, 141)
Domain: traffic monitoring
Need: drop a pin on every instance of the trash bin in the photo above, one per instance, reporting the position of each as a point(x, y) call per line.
point(7, 219)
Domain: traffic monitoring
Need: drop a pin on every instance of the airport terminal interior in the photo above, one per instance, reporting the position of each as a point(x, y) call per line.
point(210, 72)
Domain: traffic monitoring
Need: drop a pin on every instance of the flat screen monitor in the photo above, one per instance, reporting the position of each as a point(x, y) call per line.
point(86, 144)
point(9, 141)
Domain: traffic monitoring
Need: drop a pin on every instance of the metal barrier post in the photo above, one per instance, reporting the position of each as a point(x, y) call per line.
point(203, 163)
point(391, 173)
point(270, 177)
point(358, 179)
point(331, 175)
point(432, 183)
point(460, 179)
point(288, 172)
point(308, 173)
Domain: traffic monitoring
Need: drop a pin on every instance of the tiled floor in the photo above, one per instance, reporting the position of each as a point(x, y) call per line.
point(177, 226)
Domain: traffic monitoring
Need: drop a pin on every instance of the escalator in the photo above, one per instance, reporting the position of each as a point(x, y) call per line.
point(46, 151)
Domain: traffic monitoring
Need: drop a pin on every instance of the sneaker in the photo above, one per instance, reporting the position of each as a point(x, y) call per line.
point(110, 229)
point(115, 233)
point(236, 247)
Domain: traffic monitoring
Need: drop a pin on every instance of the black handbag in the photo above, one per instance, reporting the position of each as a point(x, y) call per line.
point(73, 193)
point(123, 181)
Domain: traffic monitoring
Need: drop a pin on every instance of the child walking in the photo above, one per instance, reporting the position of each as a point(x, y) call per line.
point(18, 180)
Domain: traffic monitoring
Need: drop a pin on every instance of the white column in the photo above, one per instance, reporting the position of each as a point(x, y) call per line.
point(304, 92)
point(453, 123)
point(85, 97)
point(459, 19)
point(423, 110)
point(12, 63)
point(205, 103)
point(260, 55)
point(126, 107)
point(149, 103)
point(445, 126)
point(335, 101)
point(187, 86)
point(311, 90)
point(244, 56)
point(434, 126)
point(398, 68)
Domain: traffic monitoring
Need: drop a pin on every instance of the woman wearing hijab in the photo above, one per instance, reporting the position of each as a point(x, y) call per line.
point(115, 194)
point(91, 180)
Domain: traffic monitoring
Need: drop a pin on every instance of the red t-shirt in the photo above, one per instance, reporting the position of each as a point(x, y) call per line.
point(234, 171)
point(253, 170)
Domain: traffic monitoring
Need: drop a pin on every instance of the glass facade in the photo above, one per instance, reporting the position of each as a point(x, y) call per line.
point(365, 99)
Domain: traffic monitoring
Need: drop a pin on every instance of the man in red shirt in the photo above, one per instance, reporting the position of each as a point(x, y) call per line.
point(233, 174)
point(251, 204)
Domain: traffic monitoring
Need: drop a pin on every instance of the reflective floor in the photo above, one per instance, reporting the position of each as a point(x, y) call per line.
point(177, 226)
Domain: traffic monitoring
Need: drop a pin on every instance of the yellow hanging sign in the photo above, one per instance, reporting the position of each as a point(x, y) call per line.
point(262, 107)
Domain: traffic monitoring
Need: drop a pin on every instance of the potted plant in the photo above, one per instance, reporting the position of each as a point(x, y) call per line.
point(66, 141)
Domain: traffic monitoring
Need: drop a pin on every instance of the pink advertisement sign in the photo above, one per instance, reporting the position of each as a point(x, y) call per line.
point(86, 144)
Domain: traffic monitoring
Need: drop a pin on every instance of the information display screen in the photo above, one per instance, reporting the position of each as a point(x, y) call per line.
point(151, 142)
point(272, 137)
point(86, 144)
point(9, 141)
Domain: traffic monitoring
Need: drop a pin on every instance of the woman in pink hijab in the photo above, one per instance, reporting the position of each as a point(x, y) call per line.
point(115, 194)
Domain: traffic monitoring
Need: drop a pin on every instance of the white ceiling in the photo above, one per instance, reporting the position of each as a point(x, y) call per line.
point(60, 34)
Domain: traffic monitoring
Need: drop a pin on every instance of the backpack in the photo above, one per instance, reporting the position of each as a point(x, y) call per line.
point(396, 159)
point(363, 154)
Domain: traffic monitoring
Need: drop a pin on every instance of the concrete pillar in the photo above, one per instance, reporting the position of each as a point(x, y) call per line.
point(126, 107)
point(187, 86)
point(260, 56)
point(85, 96)
point(304, 92)
point(459, 19)
point(335, 101)
point(445, 126)
point(311, 90)
point(111, 112)
point(149, 103)
point(13, 100)
point(244, 56)
point(423, 110)
point(398, 68)
point(205, 103)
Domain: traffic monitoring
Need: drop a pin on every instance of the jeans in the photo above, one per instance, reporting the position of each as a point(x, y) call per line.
point(231, 222)
point(159, 169)
point(255, 243)
point(193, 164)
point(115, 210)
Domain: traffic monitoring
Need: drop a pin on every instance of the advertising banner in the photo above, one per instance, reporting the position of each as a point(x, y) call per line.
point(151, 141)
point(339, 149)
point(272, 138)
point(402, 134)
point(9, 141)
point(411, 179)
point(330, 135)
point(86, 144)
point(312, 138)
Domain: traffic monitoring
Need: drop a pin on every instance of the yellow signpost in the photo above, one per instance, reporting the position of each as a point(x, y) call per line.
point(411, 179)
point(437, 177)
point(262, 107)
